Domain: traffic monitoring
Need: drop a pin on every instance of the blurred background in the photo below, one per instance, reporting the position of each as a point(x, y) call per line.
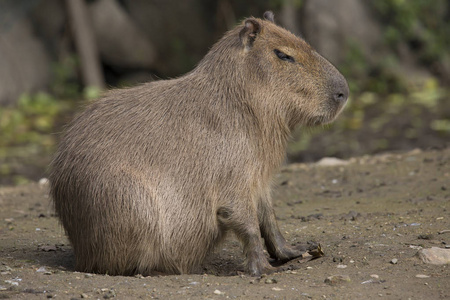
point(55, 56)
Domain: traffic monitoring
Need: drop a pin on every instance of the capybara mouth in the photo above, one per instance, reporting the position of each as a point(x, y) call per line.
point(323, 119)
point(319, 120)
point(329, 116)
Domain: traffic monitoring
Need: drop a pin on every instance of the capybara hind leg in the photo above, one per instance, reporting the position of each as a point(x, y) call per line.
point(275, 242)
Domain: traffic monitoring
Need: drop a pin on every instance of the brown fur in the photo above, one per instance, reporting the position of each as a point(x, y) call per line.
point(149, 179)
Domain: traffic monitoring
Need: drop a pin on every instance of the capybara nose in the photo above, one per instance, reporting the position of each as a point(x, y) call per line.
point(340, 97)
point(341, 91)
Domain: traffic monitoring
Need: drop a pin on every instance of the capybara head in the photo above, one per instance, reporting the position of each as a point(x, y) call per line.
point(279, 65)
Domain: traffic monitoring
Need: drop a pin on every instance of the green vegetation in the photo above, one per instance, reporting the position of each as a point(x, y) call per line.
point(27, 135)
point(388, 110)
point(420, 24)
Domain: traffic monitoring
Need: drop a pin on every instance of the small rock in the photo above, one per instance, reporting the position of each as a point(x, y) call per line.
point(435, 256)
point(351, 215)
point(217, 292)
point(394, 261)
point(337, 279)
point(43, 181)
point(276, 289)
point(48, 273)
point(41, 270)
point(84, 296)
point(48, 248)
point(331, 161)
point(425, 237)
point(422, 276)
point(270, 281)
point(88, 275)
point(368, 281)
point(341, 266)
point(311, 217)
point(12, 282)
point(109, 294)
point(5, 269)
point(375, 276)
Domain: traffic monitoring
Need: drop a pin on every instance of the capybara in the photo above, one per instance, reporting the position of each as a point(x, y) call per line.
point(147, 180)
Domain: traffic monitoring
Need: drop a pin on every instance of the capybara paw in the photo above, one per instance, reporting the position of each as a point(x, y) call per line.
point(258, 268)
point(289, 252)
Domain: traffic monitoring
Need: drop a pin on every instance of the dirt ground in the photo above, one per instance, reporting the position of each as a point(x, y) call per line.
point(371, 215)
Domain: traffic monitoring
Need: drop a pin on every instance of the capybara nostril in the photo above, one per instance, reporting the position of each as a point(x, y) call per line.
point(340, 97)
point(340, 88)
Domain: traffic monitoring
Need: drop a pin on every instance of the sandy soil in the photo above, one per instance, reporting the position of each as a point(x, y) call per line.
point(371, 216)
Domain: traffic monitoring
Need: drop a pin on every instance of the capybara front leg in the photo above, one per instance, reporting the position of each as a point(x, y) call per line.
point(244, 224)
point(257, 262)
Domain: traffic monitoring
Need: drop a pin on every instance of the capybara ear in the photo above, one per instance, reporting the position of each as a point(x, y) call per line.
point(249, 32)
point(269, 16)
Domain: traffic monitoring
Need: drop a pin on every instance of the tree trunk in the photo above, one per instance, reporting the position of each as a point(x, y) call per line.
point(92, 74)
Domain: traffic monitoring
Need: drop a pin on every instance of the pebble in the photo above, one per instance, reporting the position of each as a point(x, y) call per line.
point(394, 261)
point(217, 292)
point(435, 256)
point(306, 295)
point(425, 237)
point(341, 266)
point(370, 281)
point(276, 289)
point(422, 276)
point(375, 276)
point(11, 282)
point(84, 296)
point(88, 275)
point(43, 181)
point(331, 161)
point(110, 293)
point(5, 269)
point(337, 279)
point(270, 281)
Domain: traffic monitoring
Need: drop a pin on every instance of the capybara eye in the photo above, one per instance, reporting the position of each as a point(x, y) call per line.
point(283, 56)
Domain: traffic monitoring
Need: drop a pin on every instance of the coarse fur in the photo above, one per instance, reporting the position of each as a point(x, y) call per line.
point(149, 179)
